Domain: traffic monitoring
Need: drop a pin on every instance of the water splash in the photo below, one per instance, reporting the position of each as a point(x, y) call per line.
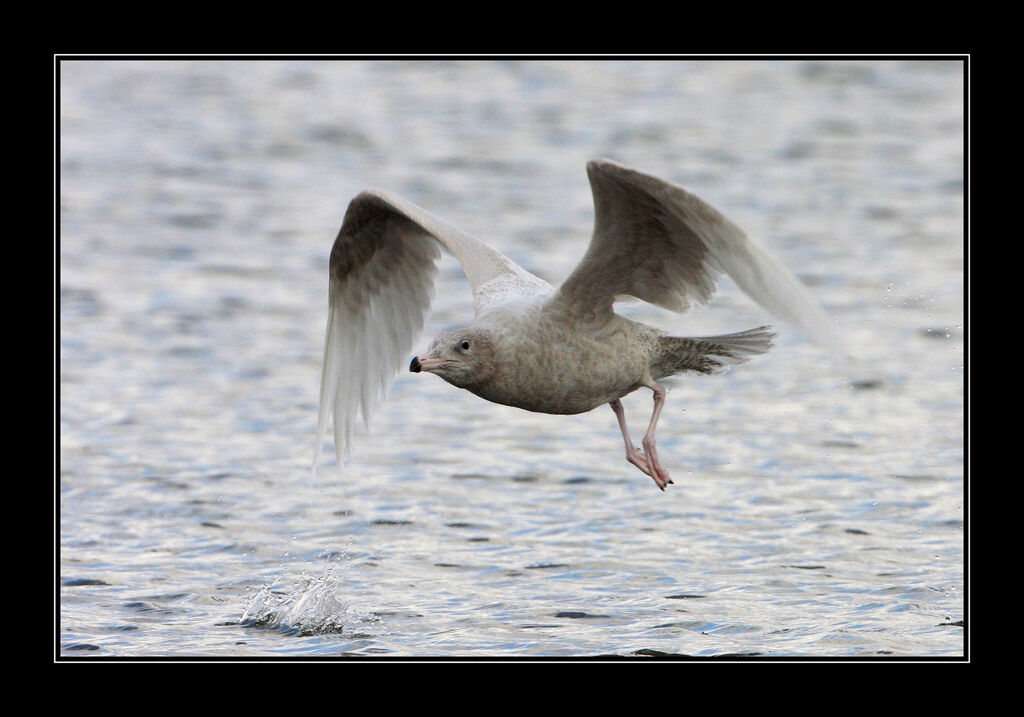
point(313, 605)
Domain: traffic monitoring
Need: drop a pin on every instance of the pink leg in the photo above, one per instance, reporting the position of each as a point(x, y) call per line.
point(636, 456)
point(661, 475)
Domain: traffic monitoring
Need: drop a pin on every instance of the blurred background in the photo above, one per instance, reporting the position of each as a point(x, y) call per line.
point(816, 511)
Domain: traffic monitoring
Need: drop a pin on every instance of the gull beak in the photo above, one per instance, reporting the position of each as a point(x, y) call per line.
point(426, 363)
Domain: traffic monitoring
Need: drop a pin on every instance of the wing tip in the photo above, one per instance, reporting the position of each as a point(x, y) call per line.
point(603, 163)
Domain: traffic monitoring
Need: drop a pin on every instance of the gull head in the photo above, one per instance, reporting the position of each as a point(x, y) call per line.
point(462, 357)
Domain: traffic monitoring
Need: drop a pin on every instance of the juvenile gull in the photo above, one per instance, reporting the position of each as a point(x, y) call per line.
point(531, 346)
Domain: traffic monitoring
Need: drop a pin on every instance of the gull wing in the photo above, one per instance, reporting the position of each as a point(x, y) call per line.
point(659, 243)
point(382, 270)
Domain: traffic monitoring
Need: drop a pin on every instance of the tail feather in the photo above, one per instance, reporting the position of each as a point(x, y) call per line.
point(709, 354)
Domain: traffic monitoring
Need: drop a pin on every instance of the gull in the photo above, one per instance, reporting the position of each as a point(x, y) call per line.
point(557, 351)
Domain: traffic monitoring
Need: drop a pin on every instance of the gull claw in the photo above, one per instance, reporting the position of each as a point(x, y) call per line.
point(660, 475)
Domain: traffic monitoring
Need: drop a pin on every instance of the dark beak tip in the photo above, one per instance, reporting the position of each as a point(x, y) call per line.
point(415, 365)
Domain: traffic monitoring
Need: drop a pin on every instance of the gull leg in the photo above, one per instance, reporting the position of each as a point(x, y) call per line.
point(658, 472)
point(633, 454)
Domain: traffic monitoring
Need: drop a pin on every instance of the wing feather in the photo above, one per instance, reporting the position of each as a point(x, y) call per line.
point(382, 272)
point(664, 245)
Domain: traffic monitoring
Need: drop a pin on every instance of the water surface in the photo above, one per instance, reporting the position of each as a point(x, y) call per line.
point(812, 514)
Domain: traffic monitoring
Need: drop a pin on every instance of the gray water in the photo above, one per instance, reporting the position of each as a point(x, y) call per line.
point(814, 513)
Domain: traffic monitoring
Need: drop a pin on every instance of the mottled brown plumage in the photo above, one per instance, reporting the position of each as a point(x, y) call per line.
point(561, 351)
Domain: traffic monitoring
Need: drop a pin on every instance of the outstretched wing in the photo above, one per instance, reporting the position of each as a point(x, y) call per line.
point(658, 242)
point(382, 271)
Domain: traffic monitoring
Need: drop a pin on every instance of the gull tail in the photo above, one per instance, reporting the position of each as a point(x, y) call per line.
point(708, 354)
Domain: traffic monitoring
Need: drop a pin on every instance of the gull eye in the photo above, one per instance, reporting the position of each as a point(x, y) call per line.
point(464, 346)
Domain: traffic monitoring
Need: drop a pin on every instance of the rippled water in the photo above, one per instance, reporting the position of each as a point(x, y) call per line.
point(812, 515)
